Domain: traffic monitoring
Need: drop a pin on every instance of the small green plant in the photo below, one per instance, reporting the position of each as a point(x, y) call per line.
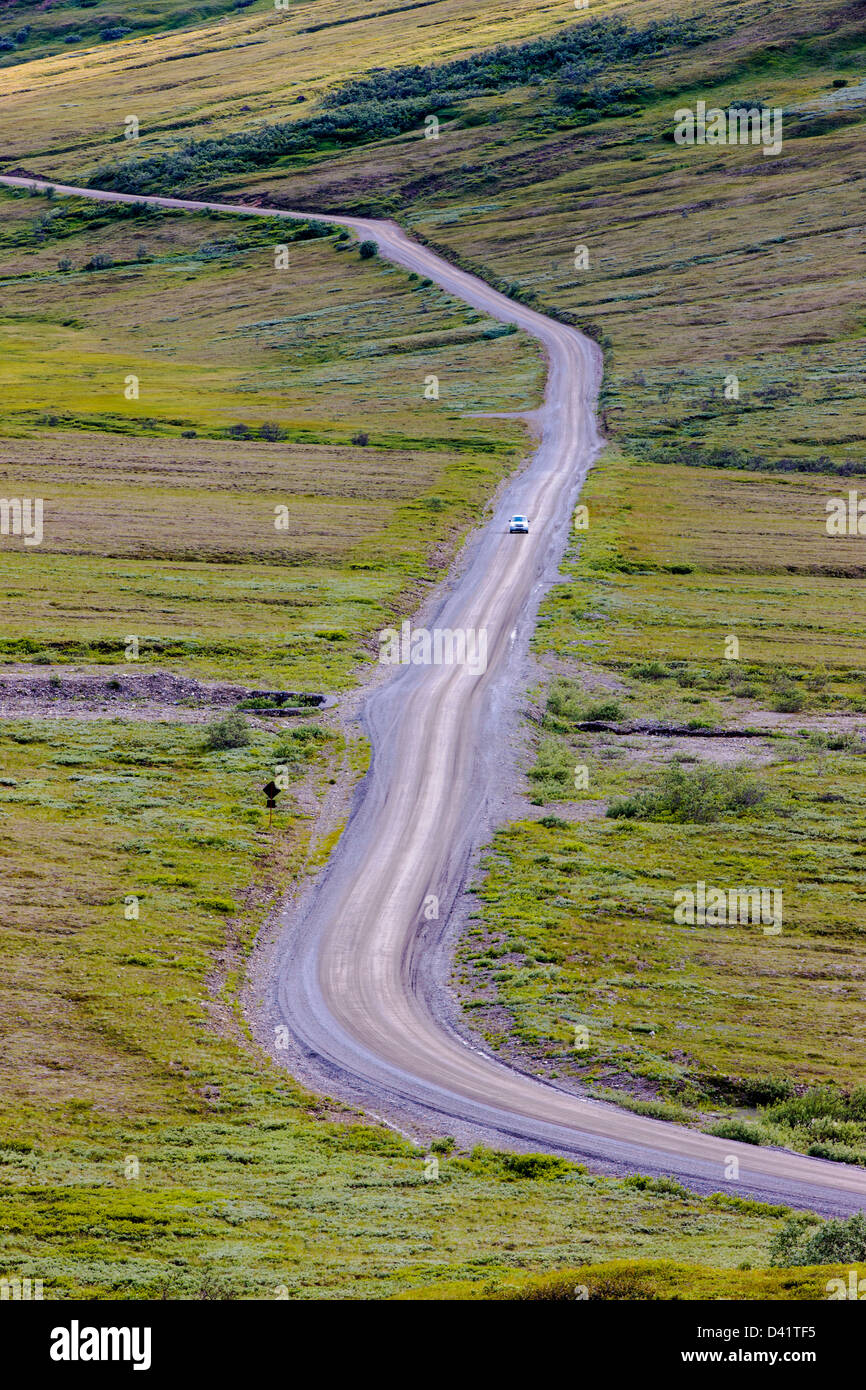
point(738, 1130)
point(820, 1103)
point(649, 671)
point(535, 1166)
point(833, 1242)
point(443, 1146)
point(226, 905)
point(788, 700)
point(691, 795)
point(231, 732)
point(565, 700)
point(607, 711)
point(367, 250)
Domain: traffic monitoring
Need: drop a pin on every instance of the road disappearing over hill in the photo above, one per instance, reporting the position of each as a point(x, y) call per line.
point(358, 973)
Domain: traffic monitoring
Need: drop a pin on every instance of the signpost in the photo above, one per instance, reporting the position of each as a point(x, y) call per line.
point(271, 792)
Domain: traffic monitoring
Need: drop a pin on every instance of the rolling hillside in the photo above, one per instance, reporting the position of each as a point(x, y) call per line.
point(305, 388)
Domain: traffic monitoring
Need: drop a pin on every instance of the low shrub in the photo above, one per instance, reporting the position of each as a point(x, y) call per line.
point(832, 1242)
point(691, 795)
point(737, 1129)
point(565, 700)
point(818, 1103)
point(231, 732)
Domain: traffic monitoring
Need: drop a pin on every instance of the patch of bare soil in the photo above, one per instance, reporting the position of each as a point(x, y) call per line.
point(723, 751)
point(28, 692)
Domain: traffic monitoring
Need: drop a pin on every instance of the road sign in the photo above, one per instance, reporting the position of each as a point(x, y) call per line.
point(271, 792)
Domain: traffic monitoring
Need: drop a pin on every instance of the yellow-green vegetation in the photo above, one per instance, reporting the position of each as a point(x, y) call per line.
point(127, 850)
point(34, 28)
point(263, 64)
point(188, 411)
point(578, 925)
point(147, 1149)
point(677, 560)
point(629, 1280)
point(702, 262)
point(578, 932)
point(123, 1041)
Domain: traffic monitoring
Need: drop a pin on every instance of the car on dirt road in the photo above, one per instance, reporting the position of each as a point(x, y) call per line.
point(519, 525)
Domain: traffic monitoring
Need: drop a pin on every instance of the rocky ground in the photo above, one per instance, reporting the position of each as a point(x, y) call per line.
point(28, 692)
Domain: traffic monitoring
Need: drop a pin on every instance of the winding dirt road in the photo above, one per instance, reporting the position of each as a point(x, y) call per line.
point(358, 973)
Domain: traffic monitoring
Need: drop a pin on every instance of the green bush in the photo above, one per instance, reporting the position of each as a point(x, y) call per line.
point(391, 102)
point(443, 1146)
point(818, 1103)
point(737, 1129)
point(747, 1090)
point(833, 1242)
point(297, 748)
point(565, 700)
point(298, 742)
point(367, 250)
point(510, 1166)
point(608, 711)
point(788, 701)
point(534, 1166)
point(691, 795)
point(554, 766)
point(226, 905)
point(644, 1183)
point(838, 1153)
point(649, 671)
point(231, 732)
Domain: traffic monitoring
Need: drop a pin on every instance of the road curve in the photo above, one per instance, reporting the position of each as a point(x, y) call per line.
point(357, 973)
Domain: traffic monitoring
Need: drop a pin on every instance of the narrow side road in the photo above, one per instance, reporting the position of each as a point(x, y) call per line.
point(359, 973)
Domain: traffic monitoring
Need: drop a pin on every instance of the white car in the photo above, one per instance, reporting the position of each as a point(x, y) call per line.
point(519, 525)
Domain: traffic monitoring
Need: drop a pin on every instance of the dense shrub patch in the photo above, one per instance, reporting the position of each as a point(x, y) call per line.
point(389, 103)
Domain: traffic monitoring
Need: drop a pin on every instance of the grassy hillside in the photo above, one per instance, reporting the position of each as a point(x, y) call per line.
point(258, 64)
point(43, 28)
point(738, 264)
point(147, 1149)
point(257, 388)
point(253, 385)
